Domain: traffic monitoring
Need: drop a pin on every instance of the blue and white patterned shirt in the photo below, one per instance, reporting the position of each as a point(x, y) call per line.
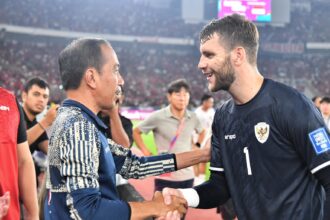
point(82, 166)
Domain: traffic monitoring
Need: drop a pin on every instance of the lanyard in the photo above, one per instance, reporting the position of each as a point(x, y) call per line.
point(177, 133)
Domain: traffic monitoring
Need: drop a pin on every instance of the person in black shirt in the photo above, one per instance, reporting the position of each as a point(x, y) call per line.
point(35, 98)
point(270, 146)
point(125, 135)
point(120, 129)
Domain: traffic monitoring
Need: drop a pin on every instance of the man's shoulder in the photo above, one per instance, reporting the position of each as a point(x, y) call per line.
point(226, 106)
point(198, 110)
point(192, 114)
point(223, 111)
point(5, 92)
point(125, 120)
point(160, 112)
point(280, 90)
point(211, 112)
point(69, 122)
point(286, 96)
point(6, 97)
point(68, 116)
point(69, 111)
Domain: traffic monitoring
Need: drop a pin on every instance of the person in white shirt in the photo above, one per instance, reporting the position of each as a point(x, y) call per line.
point(205, 114)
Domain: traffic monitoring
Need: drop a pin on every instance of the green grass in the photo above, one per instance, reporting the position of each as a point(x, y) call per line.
point(150, 143)
point(148, 139)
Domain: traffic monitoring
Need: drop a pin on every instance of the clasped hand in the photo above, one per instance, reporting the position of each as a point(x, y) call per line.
point(174, 209)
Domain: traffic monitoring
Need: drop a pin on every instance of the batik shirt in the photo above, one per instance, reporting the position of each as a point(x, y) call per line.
point(82, 166)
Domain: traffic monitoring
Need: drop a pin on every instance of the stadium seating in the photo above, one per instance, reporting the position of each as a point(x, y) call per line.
point(147, 69)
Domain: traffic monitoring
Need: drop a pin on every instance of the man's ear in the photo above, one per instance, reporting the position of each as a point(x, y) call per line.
point(168, 95)
point(24, 96)
point(238, 56)
point(91, 77)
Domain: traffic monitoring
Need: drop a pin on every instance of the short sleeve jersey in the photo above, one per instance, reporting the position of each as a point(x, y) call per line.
point(12, 133)
point(269, 149)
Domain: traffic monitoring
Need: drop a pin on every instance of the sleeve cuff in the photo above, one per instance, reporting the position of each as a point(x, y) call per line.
point(191, 196)
point(175, 164)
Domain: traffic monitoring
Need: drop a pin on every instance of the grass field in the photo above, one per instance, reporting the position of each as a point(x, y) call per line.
point(149, 141)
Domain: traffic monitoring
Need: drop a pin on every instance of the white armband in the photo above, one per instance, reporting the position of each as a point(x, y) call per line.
point(191, 196)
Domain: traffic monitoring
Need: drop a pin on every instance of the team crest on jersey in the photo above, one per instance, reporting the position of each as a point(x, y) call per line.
point(261, 130)
point(320, 140)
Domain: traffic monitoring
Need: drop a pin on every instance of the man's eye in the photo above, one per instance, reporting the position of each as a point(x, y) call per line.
point(208, 55)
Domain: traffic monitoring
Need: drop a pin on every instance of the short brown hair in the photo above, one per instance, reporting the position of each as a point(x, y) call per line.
point(235, 31)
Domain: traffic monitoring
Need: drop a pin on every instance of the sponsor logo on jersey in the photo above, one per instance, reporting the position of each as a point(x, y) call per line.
point(230, 136)
point(320, 140)
point(261, 131)
point(4, 108)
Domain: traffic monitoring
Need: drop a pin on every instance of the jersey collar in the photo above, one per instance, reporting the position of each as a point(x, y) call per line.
point(86, 111)
point(169, 114)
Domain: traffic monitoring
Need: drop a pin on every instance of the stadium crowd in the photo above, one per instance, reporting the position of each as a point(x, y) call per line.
point(147, 70)
point(141, 19)
point(97, 17)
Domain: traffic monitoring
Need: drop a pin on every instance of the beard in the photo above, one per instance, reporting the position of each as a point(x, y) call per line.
point(33, 112)
point(224, 77)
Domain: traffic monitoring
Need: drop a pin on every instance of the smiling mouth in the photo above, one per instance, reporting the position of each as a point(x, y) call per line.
point(208, 75)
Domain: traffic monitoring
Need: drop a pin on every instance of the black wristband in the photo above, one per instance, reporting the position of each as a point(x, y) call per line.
point(198, 144)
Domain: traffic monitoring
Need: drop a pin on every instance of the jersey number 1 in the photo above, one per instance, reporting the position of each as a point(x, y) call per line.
point(247, 158)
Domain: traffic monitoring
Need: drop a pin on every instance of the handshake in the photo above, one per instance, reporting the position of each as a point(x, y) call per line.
point(167, 205)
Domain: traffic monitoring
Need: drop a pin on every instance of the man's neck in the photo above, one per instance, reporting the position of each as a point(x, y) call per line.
point(83, 98)
point(326, 116)
point(179, 114)
point(29, 115)
point(246, 87)
point(204, 108)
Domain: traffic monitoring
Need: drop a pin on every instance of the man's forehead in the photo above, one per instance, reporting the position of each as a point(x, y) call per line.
point(182, 89)
point(108, 49)
point(115, 57)
point(35, 87)
point(212, 42)
point(211, 37)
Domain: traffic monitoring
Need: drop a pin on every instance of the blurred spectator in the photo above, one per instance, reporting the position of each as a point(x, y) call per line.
point(317, 101)
point(325, 110)
point(172, 128)
point(35, 98)
point(120, 130)
point(205, 113)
